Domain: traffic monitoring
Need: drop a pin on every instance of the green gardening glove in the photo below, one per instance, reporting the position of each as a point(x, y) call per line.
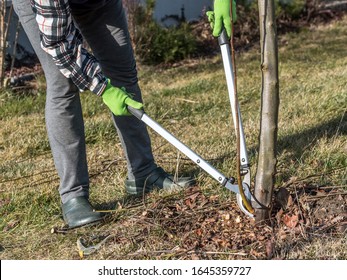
point(220, 16)
point(117, 100)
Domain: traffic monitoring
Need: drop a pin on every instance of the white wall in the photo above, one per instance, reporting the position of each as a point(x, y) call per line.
point(192, 8)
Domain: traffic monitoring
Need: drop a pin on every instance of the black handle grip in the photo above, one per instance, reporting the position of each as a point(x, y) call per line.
point(136, 112)
point(223, 38)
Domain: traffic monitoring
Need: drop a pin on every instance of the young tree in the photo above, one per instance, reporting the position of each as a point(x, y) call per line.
point(266, 169)
point(2, 40)
point(132, 7)
point(4, 29)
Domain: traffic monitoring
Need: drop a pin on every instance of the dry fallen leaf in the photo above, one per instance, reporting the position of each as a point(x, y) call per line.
point(282, 234)
point(214, 198)
point(238, 219)
point(261, 237)
point(289, 202)
point(226, 217)
point(270, 249)
point(144, 213)
point(210, 220)
point(290, 221)
point(193, 196)
point(279, 215)
point(178, 207)
point(11, 225)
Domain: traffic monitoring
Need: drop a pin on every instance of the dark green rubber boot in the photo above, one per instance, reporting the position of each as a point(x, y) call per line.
point(158, 179)
point(78, 212)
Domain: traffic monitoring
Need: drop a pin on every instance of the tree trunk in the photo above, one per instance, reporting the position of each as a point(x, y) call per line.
point(266, 169)
point(132, 7)
point(2, 40)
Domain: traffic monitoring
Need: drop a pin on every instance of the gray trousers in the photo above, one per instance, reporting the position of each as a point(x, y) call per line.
point(105, 30)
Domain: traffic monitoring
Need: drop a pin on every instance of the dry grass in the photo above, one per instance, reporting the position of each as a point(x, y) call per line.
point(202, 222)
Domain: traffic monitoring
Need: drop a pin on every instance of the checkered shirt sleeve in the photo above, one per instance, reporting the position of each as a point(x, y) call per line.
point(63, 41)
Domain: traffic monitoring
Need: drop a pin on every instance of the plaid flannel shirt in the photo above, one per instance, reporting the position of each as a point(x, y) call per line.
point(63, 41)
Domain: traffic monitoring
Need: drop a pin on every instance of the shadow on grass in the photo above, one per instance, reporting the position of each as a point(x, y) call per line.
point(133, 201)
point(127, 202)
point(299, 142)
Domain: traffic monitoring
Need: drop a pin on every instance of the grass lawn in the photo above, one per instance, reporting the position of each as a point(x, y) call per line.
point(203, 222)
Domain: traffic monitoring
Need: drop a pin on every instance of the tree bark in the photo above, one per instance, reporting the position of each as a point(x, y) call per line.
point(132, 7)
point(2, 40)
point(266, 169)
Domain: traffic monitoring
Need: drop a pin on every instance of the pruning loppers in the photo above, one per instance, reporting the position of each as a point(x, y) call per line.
point(242, 189)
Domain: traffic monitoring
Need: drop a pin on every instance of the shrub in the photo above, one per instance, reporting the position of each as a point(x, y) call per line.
point(292, 9)
point(165, 45)
point(153, 43)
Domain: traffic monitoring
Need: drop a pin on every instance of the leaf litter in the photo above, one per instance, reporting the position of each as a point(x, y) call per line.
point(193, 225)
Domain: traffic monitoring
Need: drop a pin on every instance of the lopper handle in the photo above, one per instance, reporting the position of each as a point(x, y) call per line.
point(138, 113)
point(223, 38)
